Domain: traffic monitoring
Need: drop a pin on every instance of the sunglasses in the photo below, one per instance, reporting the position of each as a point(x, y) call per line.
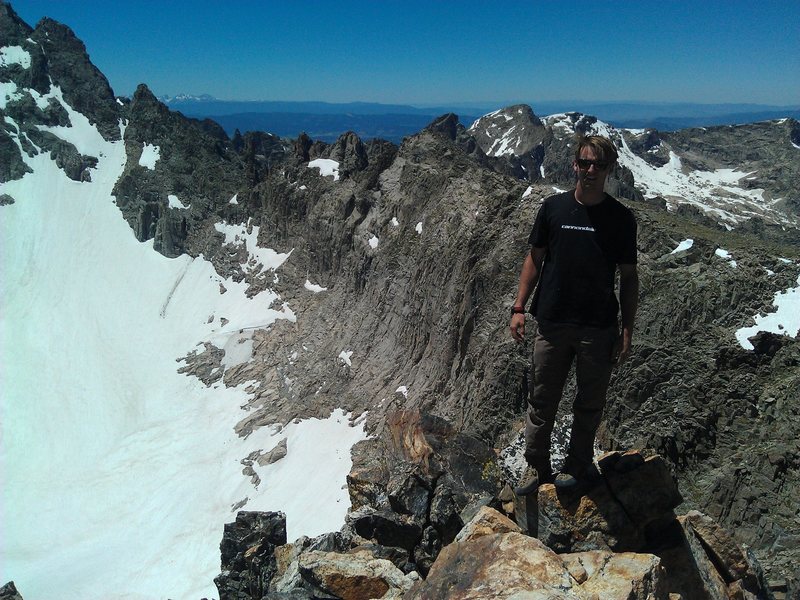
point(585, 163)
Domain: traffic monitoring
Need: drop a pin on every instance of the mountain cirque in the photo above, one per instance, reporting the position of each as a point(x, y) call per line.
point(402, 268)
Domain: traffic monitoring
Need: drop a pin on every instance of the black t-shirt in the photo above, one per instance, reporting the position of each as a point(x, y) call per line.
point(584, 246)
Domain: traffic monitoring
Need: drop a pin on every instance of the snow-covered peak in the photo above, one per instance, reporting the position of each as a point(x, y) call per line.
point(512, 131)
point(725, 194)
point(186, 98)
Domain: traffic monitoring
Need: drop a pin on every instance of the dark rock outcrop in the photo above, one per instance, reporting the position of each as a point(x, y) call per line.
point(9, 590)
point(514, 130)
point(49, 56)
point(196, 163)
point(622, 509)
point(85, 88)
point(248, 554)
point(350, 153)
point(411, 486)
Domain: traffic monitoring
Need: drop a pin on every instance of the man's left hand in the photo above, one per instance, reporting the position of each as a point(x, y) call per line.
point(622, 348)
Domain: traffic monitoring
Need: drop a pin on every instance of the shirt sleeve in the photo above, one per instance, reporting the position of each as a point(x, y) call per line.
point(539, 234)
point(628, 254)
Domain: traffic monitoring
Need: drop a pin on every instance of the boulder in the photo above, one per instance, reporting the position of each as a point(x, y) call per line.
point(621, 576)
point(722, 563)
point(631, 499)
point(427, 550)
point(500, 565)
point(445, 509)
point(409, 490)
point(385, 527)
point(645, 488)
point(487, 521)
point(248, 554)
point(287, 575)
point(713, 584)
point(410, 486)
point(9, 592)
point(594, 520)
point(369, 476)
point(274, 455)
point(356, 576)
point(720, 546)
point(399, 557)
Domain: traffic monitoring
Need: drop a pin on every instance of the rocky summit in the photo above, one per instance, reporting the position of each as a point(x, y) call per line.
point(429, 521)
point(400, 265)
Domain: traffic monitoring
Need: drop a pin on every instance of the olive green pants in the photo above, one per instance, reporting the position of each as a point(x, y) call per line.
point(555, 347)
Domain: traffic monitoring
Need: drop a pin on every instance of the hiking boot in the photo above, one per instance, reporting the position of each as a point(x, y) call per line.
point(531, 480)
point(565, 481)
point(569, 479)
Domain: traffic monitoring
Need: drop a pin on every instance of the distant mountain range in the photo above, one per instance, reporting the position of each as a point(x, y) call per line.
point(326, 121)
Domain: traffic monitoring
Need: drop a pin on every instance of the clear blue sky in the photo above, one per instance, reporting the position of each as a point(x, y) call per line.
point(418, 52)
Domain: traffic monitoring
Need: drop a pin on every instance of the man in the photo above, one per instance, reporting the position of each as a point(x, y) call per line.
point(580, 239)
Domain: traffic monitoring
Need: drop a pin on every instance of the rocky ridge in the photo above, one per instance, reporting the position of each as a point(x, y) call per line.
point(40, 67)
point(418, 247)
point(429, 521)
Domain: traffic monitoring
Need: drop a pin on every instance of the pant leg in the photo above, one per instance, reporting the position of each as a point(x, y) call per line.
point(552, 358)
point(593, 371)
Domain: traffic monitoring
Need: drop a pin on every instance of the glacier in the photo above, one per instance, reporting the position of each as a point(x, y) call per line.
point(118, 472)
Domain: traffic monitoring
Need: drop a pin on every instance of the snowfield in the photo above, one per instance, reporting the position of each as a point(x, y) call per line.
point(118, 473)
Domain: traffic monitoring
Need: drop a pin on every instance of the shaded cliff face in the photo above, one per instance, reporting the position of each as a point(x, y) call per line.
point(180, 172)
point(403, 263)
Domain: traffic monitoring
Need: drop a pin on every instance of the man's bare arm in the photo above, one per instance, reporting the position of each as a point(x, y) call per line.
point(629, 302)
point(528, 278)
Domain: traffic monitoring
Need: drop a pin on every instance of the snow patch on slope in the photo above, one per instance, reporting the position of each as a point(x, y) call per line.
point(81, 133)
point(327, 167)
point(150, 156)
point(785, 320)
point(174, 202)
point(15, 55)
point(313, 287)
point(504, 145)
point(684, 245)
point(246, 235)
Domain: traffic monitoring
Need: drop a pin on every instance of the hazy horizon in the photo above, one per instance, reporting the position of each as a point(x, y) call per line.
point(486, 103)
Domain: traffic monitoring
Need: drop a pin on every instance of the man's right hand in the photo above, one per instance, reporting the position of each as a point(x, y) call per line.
point(518, 326)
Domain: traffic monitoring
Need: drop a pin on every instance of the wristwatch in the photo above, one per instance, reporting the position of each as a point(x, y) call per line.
point(517, 310)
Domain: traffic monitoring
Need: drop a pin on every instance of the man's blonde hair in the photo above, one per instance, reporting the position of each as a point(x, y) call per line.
point(603, 148)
